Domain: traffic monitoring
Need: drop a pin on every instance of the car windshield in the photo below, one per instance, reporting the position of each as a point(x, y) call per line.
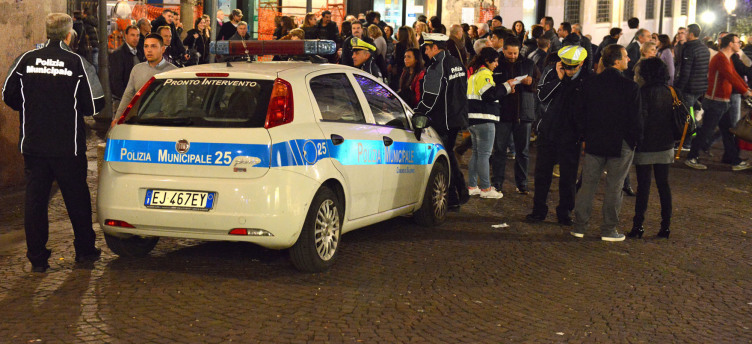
point(203, 102)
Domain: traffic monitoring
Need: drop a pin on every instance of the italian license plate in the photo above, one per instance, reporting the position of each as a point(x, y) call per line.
point(179, 199)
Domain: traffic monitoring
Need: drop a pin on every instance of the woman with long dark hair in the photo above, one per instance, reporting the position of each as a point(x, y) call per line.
point(518, 29)
point(412, 74)
point(483, 114)
point(666, 54)
point(197, 42)
point(405, 41)
point(656, 152)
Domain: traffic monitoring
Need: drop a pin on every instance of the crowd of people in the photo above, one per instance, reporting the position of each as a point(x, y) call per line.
point(548, 84)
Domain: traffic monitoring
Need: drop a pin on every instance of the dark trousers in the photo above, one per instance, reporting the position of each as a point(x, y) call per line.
point(643, 193)
point(70, 173)
point(457, 193)
point(568, 158)
point(520, 132)
point(717, 115)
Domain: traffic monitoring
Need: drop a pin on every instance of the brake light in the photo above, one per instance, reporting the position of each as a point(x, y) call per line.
point(280, 110)
point(121, 120)
point(213, 75)
point(117, 223)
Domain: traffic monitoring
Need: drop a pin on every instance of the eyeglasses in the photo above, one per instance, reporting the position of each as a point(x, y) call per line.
point(568, 67)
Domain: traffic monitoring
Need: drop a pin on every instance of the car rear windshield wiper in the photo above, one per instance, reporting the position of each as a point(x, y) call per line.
point(172, 121)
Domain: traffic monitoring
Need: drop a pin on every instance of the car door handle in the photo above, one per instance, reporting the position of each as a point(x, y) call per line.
point(388, 141)
point(336, 139)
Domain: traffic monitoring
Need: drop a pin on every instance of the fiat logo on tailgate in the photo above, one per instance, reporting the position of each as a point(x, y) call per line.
point(182, 146)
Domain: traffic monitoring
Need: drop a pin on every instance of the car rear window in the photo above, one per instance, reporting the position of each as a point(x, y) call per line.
point(203, 102)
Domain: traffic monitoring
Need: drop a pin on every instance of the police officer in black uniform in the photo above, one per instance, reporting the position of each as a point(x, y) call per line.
point(558, 141)
point(444, 101)
point(53, 88)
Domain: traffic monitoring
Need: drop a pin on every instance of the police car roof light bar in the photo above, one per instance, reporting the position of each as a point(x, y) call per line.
point(287, 47)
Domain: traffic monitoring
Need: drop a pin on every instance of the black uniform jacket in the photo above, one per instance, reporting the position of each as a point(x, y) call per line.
point(52, 88)
point(444, 98)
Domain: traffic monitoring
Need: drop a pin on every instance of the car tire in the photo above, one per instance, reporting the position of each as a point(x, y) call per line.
point(134, 246)
point(317, 246)
point(435, 203)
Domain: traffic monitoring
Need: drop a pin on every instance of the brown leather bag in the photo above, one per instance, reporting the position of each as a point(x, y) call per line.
point(743, 128)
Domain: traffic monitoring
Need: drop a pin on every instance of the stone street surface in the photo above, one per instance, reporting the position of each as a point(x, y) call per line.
point(463, 281)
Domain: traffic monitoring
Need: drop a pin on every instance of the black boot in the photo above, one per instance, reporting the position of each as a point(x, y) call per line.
point(664, 232)
point(636, 231)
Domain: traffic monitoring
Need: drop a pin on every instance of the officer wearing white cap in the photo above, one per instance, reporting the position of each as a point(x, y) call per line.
point(53, 88)
point(444, 101)
point(363, 57)
point(558, 141)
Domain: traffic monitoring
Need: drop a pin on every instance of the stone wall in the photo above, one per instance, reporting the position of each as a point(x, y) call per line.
point(22, 21)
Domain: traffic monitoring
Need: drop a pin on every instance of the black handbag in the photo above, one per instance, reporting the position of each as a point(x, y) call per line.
point(684, 122)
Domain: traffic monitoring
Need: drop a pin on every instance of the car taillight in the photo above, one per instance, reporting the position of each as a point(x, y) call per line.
point(121, 120)
point(118, 223)
point(280, 110)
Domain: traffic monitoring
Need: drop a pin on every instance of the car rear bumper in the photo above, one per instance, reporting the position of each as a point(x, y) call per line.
point(277, 203)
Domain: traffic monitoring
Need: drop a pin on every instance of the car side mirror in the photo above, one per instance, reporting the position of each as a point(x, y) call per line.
point(420, 122)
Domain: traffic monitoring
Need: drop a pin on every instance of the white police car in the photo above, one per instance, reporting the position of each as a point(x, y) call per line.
point(283, 155)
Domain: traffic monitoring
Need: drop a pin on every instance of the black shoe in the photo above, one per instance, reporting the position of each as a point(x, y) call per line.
point(628, 191)
point(91, 257)
point(566, 221)
point(454, 208)
point(40, 268)
point(664, 233)
point(637, 231)
point(533, 217)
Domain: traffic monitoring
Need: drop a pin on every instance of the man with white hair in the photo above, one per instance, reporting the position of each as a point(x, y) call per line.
point(53, 88)
point(483, 30)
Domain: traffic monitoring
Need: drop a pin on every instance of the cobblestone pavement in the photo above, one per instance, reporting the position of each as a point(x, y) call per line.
point(397, 282)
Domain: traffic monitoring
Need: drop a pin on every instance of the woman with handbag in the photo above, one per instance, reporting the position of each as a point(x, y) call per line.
point(656, 152)
point(197, 42)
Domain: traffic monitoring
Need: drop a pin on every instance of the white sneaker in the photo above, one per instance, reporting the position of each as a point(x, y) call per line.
point(491, 193)
point(741, 166)
point(693, 163)
point(473, 191)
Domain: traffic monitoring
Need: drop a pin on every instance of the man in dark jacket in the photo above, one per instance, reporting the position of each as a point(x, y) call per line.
point(175, 44)
point(327, 29)
point(122, 61)
point(692, 73)
point(612, 38)
point(444, 101)
point(633, 51)
point(517, 114)
point(558, 140)
point(609, 120)
point(53, 88)
point(550, 33)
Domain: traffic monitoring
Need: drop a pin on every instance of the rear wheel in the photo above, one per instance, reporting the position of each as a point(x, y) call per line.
point(317, 244)
point(435, 203)
point(134, 246)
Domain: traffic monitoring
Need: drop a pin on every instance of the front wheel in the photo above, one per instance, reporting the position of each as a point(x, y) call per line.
point(435, 203)
point(317, 244)
point(134, 246)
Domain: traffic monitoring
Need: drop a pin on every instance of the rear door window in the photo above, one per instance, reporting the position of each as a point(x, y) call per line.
point(204, 102)
point(336, 98)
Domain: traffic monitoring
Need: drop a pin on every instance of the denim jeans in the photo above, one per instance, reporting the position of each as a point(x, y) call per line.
point(482, 136)
point(717, 114)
